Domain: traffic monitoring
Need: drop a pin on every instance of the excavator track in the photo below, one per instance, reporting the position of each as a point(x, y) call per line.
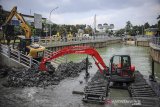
point(141, 90)
point(96, 91)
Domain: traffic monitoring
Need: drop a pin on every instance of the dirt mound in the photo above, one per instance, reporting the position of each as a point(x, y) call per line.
point(32, 77)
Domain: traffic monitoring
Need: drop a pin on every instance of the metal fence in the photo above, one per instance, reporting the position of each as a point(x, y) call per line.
point(54, 41)
point(143, 37)
point(156, 41)
point(18, 56)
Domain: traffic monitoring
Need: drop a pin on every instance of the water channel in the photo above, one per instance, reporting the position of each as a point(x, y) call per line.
point(61, 95)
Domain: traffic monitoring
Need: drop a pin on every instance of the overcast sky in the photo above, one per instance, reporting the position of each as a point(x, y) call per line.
point(117, 12)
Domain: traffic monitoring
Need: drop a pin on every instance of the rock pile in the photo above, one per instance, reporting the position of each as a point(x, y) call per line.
point(32, 77)
point(4, 71)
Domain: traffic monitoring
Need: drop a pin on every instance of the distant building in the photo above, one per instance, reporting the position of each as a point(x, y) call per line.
point(151, 31)
point(104, 27)
point(100, 26)
point(111, 26)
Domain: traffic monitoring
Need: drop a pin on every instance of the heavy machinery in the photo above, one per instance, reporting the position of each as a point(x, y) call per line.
point(25, 45)
point(120, 69)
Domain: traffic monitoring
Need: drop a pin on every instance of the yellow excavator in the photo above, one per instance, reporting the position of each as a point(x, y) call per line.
point(25, 45)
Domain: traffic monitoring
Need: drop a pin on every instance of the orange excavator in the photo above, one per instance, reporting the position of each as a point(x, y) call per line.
point(120, 69)
point(25, 45)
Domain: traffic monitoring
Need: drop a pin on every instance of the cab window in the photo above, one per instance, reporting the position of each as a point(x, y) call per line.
point(40, 53)
point(125, 62)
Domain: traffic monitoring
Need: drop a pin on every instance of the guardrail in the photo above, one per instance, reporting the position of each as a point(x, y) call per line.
point(156, 41)
point(18, 56)
point(143, 38)
point(62, 41)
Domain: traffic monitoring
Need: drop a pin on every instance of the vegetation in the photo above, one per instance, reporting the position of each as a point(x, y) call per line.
point(64, 29)
point(137, 29)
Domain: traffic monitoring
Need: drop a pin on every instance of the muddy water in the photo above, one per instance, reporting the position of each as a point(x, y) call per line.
point(61, 95)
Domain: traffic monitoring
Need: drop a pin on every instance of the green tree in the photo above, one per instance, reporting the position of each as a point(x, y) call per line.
point(73, 29)
point(128, 27)
point(54, 28)
point(120, 32)
point(146, 25)
point(88, 30)
point(3, 16)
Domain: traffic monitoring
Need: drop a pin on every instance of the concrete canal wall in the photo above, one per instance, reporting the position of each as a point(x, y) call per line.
point(6, 61)
point(139, 40)
point(97, 44)
point(144, 43)
point(155, 52)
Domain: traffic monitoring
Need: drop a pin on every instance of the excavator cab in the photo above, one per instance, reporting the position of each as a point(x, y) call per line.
point(31, 49)
point(23, 42)
point(121, 69)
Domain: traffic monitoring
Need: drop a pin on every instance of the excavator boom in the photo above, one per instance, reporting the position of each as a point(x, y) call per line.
point(24, 25)
point(75, 50)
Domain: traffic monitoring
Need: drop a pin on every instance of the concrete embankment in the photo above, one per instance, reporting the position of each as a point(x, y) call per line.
point(96, 44)
point(144, 43)
point(5, 60)
point(155, 52)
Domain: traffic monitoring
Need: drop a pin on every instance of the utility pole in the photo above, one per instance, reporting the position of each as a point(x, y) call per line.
point(30, 12)
point(95, 23)
point(50, 20)
point(46, 26)
point(142, 29)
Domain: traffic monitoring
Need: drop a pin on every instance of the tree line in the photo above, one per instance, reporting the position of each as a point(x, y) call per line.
point(132, 30)
point(129, 29)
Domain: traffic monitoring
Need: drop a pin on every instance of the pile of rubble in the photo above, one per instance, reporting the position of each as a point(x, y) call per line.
point(70, 69)
point(4, 71)
point(32, 77)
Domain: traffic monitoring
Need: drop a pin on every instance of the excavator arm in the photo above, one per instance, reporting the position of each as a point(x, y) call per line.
point(24, 25)
point(75, 50)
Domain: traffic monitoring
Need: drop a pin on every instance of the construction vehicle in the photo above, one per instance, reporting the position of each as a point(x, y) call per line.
point(25, 45)
point(121, 69)
point(118, 71)
point(97, 89)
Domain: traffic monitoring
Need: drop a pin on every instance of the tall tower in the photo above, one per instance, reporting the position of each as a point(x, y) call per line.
point(95, 23)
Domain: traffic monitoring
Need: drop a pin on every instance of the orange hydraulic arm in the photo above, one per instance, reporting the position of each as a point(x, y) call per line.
point(75, 50)
point(24, 25)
